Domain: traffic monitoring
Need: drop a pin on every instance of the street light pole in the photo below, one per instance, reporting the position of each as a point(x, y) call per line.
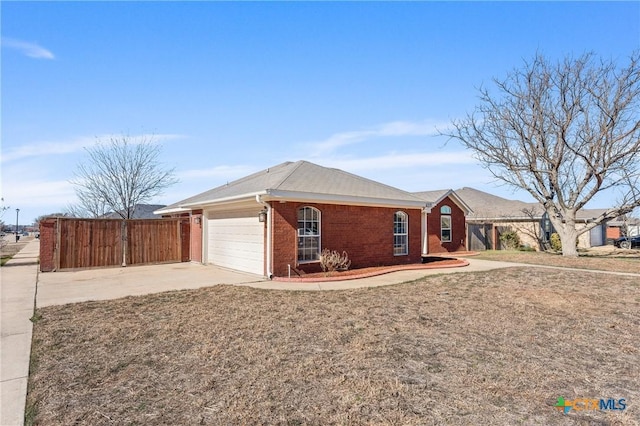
point(17, 236)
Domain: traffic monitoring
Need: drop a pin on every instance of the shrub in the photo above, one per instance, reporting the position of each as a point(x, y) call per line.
point(555, 242)
point(510, 240)
point(331, 261)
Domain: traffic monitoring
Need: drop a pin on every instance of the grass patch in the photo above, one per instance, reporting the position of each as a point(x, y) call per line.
point(470, 348)
point(37, 316)
point(606, 261)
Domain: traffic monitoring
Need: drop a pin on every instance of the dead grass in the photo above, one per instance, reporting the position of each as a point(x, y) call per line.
point(10, 247)
point(484, 348)
point(614, 260)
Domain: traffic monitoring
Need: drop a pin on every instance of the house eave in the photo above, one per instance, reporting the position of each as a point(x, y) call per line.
point(310, 197)
point(224, 200)
point(171, 211)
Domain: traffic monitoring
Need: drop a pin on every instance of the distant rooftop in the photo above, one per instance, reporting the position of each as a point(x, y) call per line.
point(141, 211)
point(487, 206)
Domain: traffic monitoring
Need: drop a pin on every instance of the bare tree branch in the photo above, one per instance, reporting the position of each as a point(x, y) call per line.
point(118, 175)
point(564, 132)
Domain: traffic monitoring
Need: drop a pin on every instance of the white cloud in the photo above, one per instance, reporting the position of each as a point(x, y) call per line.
point(39, 149)
point(218, 172)
point(38, 193)
point(392, 129)
point(401, 161)
point(31, 50)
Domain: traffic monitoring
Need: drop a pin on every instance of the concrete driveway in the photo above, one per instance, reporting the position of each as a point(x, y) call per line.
point(58, 288)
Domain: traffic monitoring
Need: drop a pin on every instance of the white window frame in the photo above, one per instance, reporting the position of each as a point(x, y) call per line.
point(308, 232)
point(400, 233)
point(445, 213)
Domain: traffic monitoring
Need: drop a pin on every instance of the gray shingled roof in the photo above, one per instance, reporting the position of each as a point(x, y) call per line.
point(140, 211)
point(434, 197)
point(301, 177)
point(489, 206)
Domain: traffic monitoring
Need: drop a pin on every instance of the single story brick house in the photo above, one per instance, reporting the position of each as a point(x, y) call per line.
point(279, 220)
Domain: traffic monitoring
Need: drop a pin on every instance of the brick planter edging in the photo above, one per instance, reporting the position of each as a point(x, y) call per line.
point(461, 263)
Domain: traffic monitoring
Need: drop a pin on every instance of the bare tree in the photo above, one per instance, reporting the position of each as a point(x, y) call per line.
point(564, 132)
point(630, 224)
point(534, 231)
point(87, 208)
point(120, 174)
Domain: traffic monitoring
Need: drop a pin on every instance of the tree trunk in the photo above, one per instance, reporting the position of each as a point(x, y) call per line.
point(568, 237)
point(124, 242)
point(567, 232)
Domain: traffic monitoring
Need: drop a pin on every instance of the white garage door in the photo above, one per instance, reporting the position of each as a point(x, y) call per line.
point(236, 241)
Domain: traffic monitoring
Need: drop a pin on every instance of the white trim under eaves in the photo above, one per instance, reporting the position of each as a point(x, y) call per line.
point(310, 197)
point(251, 195)
point(171, 211)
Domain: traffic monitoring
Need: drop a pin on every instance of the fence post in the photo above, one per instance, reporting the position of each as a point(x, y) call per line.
point(57, 246)
point(123, 228)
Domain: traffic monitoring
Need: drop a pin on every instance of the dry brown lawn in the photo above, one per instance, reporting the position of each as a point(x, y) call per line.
point(615, 260)
point(469, 348)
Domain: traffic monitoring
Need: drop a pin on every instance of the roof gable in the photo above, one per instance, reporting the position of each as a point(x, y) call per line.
point(306, 181)
point(434, 197)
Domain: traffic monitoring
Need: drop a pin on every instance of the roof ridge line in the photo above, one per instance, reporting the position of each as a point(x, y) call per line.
point(296, 167)
point(362, 178)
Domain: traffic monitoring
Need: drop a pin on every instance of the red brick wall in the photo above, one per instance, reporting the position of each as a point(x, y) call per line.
point(365, 233)
point(47, 245)
point(613, 232)
point(458, 231)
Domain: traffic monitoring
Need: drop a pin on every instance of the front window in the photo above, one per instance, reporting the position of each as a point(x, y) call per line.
point(445, 224)
point(308, 234)
point(400, 234)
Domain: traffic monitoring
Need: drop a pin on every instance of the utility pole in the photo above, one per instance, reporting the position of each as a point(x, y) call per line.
point(17, 214)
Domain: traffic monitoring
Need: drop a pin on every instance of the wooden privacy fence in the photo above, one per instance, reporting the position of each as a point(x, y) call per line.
point(67, 243)
point(480, 236)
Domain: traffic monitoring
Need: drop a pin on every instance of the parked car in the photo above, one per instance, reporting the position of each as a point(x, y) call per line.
point(628, 242)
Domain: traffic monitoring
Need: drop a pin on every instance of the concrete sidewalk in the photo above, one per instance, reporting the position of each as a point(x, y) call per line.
point(18, 289)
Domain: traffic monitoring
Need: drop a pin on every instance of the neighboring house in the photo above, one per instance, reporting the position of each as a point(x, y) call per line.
point(492, 215)
point(278, 221)
point(622, 226)
point(140, 211)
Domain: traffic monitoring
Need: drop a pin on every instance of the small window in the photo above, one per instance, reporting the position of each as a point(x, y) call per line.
point(400, 234)
point(445, 210)
point(308, 234)
point(445, 228)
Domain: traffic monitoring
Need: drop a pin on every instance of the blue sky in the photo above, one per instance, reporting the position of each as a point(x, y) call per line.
point(232, 88)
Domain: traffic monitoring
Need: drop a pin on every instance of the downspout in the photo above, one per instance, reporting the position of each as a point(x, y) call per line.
point(269, 233)
point(425, 232)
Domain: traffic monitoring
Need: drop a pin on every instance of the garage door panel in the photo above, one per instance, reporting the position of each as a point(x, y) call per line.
point(236, 241)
